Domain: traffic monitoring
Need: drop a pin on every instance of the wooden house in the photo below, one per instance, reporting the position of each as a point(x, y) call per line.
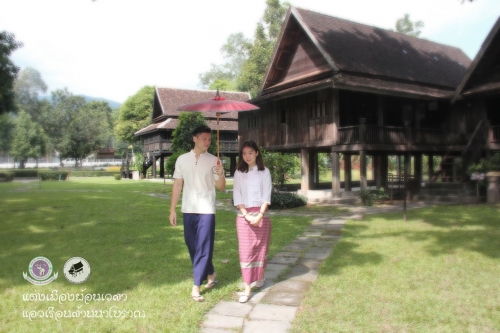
point(157, 137)
point(343, 88)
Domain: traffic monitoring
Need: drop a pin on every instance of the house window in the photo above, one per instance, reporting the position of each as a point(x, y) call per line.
point(252, 122)
point(318, 110)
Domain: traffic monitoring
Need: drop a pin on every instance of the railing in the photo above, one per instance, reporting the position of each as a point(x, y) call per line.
point(348, 135)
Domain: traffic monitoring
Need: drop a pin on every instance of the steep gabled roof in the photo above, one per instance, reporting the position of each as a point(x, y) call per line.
point(483, 73)
point(167, 100)
point(327, 46)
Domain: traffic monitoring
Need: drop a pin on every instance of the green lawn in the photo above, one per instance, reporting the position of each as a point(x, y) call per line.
point(121, 228)
point(438, 272)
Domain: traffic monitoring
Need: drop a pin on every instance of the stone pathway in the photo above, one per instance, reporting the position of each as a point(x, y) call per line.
point(273, 307)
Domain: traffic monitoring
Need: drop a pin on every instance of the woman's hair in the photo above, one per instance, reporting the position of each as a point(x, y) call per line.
point(242, 165)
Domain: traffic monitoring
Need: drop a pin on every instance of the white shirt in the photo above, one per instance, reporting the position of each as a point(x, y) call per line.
point(252, 188)
point(198, 192)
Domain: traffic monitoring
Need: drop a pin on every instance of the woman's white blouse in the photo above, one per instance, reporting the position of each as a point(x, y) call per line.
point(252, 188)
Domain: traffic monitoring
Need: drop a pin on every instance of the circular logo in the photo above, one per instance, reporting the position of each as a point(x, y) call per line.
point(40, 268)
point(76, 270)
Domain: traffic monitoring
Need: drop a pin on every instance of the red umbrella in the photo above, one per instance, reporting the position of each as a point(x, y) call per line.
point(219, 105)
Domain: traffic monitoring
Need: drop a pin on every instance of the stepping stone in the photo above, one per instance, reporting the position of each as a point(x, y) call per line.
point(234, 309)
point(317, 255)
point(287, 254)
point(312, 233)
point(259, 326)
point(273, 312)
point(295, 247)
point(292, 286)
point(302, 273)
point(284, 298)
point(214, 320)
point(283, 260)
point(312, 263)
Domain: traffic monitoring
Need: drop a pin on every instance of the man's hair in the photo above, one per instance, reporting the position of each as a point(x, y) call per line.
point(201, 129)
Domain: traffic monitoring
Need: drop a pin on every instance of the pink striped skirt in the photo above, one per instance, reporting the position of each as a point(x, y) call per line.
point(253, 245)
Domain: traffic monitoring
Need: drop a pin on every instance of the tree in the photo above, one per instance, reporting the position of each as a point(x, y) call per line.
point(88, 130)
point(55, 118)
point(406, 26)
point(182, 137)
point(8, 71)
point(28, 87)
point(248, 60)
point(235, 51)
point(280, 165)
point(28, 141)
point(135, 114)
point(7, 125)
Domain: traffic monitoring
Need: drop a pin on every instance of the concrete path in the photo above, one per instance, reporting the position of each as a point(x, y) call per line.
point(273, 307)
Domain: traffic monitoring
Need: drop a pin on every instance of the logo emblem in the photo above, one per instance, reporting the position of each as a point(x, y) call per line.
point(76, 270)
point(40, 271)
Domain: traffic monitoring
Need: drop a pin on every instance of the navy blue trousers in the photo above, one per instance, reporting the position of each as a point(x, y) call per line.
point(199, 235)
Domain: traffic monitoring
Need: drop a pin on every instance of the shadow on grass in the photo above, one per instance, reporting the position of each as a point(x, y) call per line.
point(442, 230)
point(121, 230)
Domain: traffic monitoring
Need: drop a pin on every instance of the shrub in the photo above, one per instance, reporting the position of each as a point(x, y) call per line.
point(381, 195)
point(366, 197)
point(90, 173)
point(27, 172)
point(117, 176)
point(53, 175)
point(284, 200)
point(6, 176)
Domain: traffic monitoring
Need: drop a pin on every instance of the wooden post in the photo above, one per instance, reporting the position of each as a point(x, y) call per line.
point(347, 172)
point(362, 170)
point(304, 160)
point(336, 174)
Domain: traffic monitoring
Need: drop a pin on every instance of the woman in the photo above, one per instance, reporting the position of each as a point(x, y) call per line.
point(252, 196)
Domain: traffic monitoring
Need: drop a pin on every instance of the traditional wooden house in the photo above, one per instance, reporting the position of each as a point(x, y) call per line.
point(157, 137)
point(344, 88)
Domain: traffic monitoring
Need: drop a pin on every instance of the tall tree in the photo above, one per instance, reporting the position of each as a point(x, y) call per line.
point(406, 26)
point(135, 114)
point(7, 125)
point(8, 71)
point(248, 60)
point(28, 141)
point(28, 86)
point(88, 130)
point(182, 137)
point(224, 76)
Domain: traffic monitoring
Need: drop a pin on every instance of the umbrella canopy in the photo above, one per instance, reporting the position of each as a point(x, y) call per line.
point(219, 105)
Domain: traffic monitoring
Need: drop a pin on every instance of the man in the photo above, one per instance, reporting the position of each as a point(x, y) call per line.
point(195, 174)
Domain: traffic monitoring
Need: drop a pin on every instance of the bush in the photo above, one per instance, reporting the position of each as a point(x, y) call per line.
point(284, 200)
point(53, 175)
point(6, 176)
point(366, 197)
point(117, 176)
point(27, 172)
point(91, 173)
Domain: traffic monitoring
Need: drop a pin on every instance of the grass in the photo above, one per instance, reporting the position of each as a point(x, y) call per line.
point(121, 228)
point(438, 272)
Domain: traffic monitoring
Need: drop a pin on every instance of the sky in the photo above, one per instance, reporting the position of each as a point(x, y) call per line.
point(113, 48)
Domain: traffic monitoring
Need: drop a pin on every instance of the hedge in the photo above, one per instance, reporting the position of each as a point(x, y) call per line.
point(93, 173)
point(53, 175)
point(284, 200)
point(6, 176)
point(27, 172)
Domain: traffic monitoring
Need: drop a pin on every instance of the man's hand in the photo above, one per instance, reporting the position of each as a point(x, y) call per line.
point(173, 218)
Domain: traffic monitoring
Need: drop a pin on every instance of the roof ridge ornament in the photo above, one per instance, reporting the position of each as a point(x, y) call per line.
point(218, 97)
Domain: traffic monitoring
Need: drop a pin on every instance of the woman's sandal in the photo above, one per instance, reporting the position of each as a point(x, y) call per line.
point(244, 298)
point(260, 283)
